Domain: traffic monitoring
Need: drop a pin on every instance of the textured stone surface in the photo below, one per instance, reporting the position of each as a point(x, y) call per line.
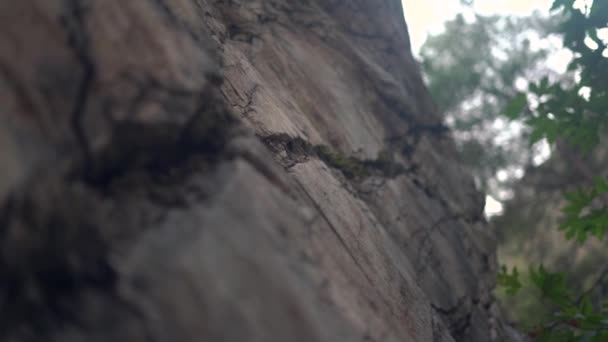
point(244, 170)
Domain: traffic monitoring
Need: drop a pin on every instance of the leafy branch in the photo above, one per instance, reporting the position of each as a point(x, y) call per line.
point(578, 115)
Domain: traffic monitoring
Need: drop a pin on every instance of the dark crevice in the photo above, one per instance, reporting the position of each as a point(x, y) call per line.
point(423, 248)
point(460, 327)
point(73, 22)
point(408, 143)
point(459, 322)
point(453, 309)
point(53, 251)
point(247, 107)
point(55, 248)
point(291, 151)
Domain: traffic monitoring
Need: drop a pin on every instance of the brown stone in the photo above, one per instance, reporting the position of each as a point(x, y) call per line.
point(161, 178)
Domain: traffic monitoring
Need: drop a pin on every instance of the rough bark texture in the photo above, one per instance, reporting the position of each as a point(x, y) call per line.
point(238, 170)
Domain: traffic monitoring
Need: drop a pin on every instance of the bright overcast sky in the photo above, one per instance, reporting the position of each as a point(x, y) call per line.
point(424, 17)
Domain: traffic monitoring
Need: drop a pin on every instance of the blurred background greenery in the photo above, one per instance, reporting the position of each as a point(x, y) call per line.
point(473, 67)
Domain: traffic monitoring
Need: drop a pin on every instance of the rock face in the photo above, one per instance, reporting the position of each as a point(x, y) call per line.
point(242, 170)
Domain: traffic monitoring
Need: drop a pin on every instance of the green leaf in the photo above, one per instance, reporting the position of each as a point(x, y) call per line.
point(509, 281)
point(586, 308)
point(544, 83)
point(516, 106)
point(580, 219)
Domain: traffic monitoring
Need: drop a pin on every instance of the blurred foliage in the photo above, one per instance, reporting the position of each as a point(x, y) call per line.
point(580, 216)
point(527, 232)
point(489, 77)
point(573, 114)
point(472, 70)
point(509, 280)
point(567, 317)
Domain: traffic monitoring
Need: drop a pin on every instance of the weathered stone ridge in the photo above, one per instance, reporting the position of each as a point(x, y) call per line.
point(238, 170)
